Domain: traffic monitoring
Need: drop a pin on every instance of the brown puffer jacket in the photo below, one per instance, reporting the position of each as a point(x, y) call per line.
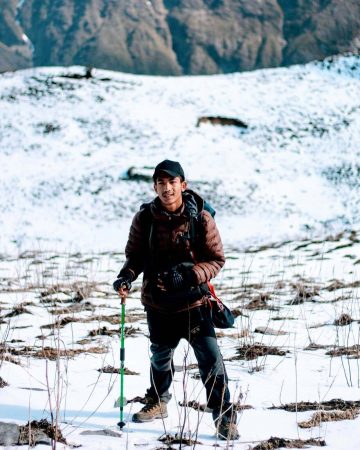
point(159, 240)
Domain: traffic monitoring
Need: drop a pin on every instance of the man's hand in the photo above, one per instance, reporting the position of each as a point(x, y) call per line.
point(171, 281)
point(175, 279)
point(122, 286)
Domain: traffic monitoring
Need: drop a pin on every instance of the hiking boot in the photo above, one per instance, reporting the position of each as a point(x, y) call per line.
point(227, 431)
point(152, 410)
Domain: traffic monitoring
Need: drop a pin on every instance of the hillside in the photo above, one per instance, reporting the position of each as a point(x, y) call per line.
point(68, 142)
point(169, 37)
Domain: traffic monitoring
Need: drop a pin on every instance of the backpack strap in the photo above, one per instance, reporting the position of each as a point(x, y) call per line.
point(147, 221)
point(214, 298)
point(195, 229)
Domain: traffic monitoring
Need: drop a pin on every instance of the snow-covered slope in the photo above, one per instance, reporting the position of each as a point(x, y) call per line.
point(66, 144)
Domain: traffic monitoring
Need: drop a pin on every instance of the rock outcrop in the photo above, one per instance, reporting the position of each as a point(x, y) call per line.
point(173, 37)
point(314, 29)
point(15, 51)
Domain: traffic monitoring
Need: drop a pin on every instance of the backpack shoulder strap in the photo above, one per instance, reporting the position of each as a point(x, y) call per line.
point(195, 224)
point(147, 221)
point(196, 229)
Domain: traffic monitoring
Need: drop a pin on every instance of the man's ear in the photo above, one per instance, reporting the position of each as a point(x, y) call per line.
point(183, 186)
point(155, 187)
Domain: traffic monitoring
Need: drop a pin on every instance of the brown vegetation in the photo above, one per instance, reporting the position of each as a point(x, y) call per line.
point(252, 351)
point(337, 284)
point(104, 331)
point(314, 346)
point(73, 308)
point(304, 292)
point(275, 442)
point(260, 302)
point(353, 351)
point(344, 319)
point(111, 369)
point(28, 432)
point(168, 439)
point(334, 404)
point(17, 310)
point(194, 404)
point(52, 353)
point(3, 383)
point(61, 323)
point(113, 319)
point(329, 416)
point(269, 331)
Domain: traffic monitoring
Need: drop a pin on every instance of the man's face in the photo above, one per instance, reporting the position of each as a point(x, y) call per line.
point(170, 189)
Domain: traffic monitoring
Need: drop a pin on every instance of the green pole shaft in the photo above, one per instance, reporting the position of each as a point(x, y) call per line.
point(122, 359)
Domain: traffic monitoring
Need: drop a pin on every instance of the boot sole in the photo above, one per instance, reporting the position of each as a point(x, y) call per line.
point(160, 416)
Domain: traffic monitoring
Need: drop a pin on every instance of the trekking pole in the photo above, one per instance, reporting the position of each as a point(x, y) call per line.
point(122, 401)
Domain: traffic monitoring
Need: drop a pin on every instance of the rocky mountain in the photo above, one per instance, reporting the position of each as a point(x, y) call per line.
point(173, 37)
point(15, 51)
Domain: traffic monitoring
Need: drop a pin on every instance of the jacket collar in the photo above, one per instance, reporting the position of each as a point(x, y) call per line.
point(191, 206)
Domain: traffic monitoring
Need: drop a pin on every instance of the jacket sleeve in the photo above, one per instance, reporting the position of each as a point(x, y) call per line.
point(136, 248)
point(210, 252)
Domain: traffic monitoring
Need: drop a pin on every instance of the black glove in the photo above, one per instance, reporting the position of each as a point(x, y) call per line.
point(172, 280)
point(177, 279)
point(190, 278)
point(122, 282)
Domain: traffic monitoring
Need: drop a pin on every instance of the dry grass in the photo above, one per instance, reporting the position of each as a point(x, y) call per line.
point(194, 404)
point(28, 432)
point(258, 303)
point(73, 308)
point(269, 331)
point(168, 439)
point(275, 442)
point(334, 404)
point(17, 311)
point(329, 416)
point(252, 351)
point(111, 369)
point(352, 351)
point(337, 284)
point(53, 354)
point(113, 319)
point(61, 323)
point(104, 331)
point(344, 319)
point(3, 383)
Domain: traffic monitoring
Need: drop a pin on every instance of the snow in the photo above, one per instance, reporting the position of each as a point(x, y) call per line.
point(66, 144)
point(87, 396)
point(286, 192)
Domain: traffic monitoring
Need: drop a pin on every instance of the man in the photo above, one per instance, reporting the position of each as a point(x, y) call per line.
point(174, 241)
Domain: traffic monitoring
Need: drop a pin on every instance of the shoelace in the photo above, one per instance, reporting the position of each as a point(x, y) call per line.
point(149, 407)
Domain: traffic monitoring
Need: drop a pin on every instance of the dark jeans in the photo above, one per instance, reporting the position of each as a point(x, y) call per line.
point(195, 326)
